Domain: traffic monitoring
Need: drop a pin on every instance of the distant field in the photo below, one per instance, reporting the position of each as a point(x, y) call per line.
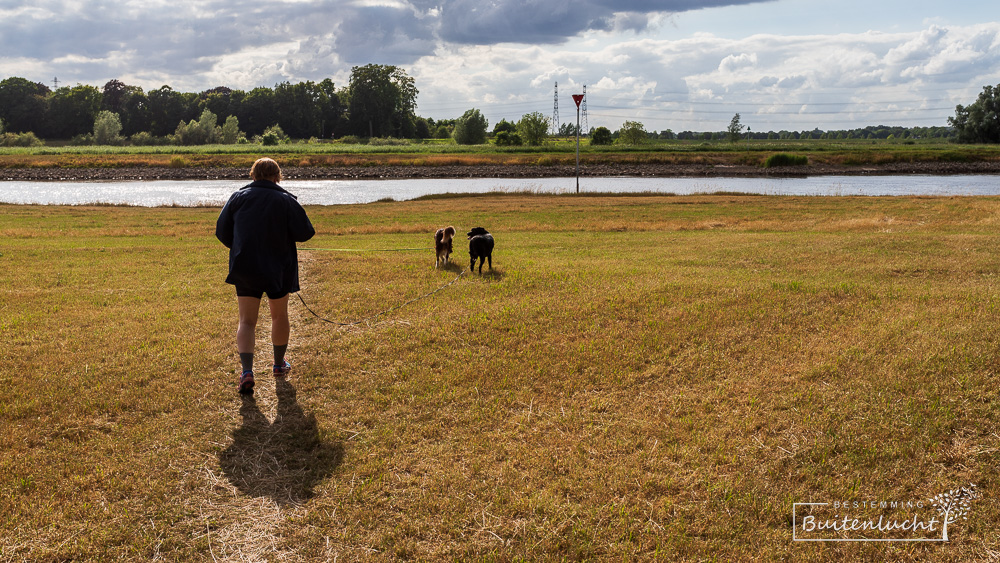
point(639, 378)
point(556, 152)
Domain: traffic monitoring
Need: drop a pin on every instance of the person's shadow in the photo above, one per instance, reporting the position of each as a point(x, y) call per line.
point(283, 460)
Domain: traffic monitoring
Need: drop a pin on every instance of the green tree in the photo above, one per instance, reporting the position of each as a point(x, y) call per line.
point(601, 136)
point(129, 102)
point(470, 129)
point(256, 113)
point(504, 125)
point(979, 122)
point(218, 100)
point(298, 109)
point(135, 112)
point(382, 101)
point(422, 128)
point(533, 128)
point(735, 129)
point(114, 94)
point(632, 133)
point(204, 131)
point(167, 108)
point(231, 130)
point(107, 128)
point(72, 111)
point(567, 130)
point(209, 124)
point(22, 104)
point(332, 108)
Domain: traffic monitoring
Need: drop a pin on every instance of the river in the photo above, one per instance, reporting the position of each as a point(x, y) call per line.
point(334, 192)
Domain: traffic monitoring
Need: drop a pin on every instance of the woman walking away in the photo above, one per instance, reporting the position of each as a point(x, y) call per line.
point(260, 225)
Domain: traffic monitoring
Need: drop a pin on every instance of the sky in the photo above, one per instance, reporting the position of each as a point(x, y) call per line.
point(669, 64)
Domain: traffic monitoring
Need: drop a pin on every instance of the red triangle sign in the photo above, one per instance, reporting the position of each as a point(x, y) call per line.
point(577, 98)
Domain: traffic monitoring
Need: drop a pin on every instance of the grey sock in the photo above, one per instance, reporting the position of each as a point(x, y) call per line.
point(246, 360)
point(279, 354)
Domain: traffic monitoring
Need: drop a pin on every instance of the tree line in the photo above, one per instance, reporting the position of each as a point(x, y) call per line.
point(379, 101)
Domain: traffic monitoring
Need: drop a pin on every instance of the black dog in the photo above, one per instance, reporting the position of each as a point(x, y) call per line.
point(480, 246)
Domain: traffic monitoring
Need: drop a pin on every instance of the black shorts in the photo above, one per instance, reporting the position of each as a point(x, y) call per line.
point(257, 293)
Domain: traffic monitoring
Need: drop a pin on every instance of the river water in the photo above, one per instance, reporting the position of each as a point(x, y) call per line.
point(334, 192)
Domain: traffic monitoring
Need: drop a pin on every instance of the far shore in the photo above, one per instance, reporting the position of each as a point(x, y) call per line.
point(653, 170)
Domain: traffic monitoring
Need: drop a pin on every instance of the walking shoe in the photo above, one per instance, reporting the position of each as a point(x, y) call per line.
point(246, 383)
point(283, 369)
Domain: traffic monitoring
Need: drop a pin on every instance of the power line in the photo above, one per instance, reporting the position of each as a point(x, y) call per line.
point(648, 110)
point(680, 113)
point(705, 124)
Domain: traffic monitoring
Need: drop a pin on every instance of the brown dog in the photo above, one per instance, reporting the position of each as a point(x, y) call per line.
point(442, 245)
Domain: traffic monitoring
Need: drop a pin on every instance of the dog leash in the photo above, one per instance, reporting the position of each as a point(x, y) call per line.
point(366, 319)
point(369, 249)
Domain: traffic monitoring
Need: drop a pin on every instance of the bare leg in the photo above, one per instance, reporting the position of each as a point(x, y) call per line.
point(280, 327)
point(245, 333)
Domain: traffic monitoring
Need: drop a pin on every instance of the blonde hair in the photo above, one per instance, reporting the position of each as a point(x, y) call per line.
point(265, 169)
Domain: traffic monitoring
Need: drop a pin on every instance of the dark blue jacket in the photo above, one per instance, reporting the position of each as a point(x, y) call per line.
point(260, 225)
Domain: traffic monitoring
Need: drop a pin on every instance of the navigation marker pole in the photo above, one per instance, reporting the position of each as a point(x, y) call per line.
point(577, 98)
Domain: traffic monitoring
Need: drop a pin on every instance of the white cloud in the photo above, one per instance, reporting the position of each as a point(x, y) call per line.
point(735, 63)
point(825, 81)
point(504, 56)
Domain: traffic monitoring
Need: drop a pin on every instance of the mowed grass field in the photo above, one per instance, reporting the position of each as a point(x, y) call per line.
point(638, 378)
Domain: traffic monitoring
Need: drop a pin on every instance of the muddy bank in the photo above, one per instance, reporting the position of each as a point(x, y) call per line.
point(497, 171)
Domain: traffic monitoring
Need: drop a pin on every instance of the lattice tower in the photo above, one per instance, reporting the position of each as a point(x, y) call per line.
point(555, 111)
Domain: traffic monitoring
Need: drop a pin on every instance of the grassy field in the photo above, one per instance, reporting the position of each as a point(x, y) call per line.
point(559, 151)
point(638, 378)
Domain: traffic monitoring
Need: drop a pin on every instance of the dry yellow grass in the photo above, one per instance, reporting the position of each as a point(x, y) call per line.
point(639, 378)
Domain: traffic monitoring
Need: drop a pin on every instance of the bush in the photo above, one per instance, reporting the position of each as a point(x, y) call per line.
point(20, 140)
point(442, 132)
point(782, 159)
point(146, 139)
point(107, 128)
point(508, 139)
point(274, 135)
point(387, 142)
point(601, 136)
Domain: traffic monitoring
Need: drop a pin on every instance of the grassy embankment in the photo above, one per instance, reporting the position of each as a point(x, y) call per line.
point(638, 378)
point(557, 152)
